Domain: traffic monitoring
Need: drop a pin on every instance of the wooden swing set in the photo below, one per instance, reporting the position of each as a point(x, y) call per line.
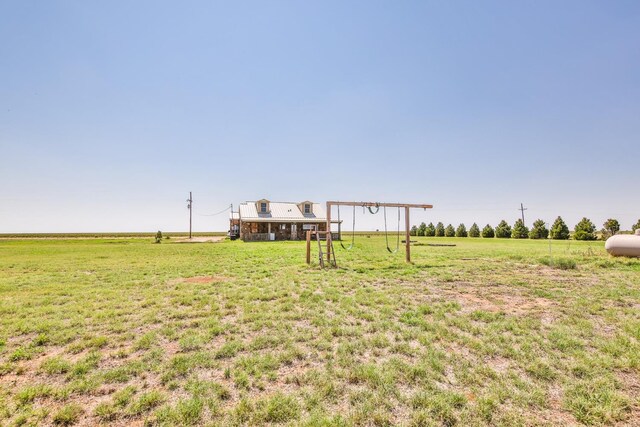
point(329, 251)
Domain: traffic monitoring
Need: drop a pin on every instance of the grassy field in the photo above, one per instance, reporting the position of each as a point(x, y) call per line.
point(490, 332)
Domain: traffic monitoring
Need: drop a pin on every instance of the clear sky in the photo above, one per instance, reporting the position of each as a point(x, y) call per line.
point(111, 112)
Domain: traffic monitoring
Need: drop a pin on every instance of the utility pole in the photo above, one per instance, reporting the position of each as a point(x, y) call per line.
point(190, 207)
point(522, 209)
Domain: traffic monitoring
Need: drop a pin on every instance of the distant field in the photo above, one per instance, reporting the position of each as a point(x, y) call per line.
point(489, 332)
point(104, 235)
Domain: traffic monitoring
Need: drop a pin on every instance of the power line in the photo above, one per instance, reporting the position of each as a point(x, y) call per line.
point(217, 213)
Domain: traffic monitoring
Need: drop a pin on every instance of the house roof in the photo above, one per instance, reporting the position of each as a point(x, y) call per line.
point(281, 212)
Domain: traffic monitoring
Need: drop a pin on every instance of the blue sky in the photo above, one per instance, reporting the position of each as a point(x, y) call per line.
point(111, 112)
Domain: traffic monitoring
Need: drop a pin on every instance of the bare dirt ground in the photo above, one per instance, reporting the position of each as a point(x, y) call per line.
point(200, 239)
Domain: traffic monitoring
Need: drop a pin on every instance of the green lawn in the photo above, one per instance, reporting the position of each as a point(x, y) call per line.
point(490, 332)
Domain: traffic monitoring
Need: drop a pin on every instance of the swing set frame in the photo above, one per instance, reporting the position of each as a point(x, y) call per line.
point(329, 244)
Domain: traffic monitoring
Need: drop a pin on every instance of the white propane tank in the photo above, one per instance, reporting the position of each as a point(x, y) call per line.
point(624, 244)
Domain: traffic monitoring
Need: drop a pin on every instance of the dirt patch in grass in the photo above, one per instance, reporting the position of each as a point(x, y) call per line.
point(631, 384)
point(199, 279)
point(556, 414)
point(497, 299)
point(204, 279)
point(201, 239)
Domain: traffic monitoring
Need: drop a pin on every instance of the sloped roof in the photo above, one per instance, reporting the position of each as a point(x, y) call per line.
point(281, 212)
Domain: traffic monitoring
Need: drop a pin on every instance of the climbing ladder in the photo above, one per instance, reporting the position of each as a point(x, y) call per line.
point(331, 259)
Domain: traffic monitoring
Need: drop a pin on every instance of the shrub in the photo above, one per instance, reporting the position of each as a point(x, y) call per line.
point(146, 402)
point(186, 412)
point(597, 401)
point(414, 231)
point(559, 230)
point(461, 231)
point(635, 226)
point(21, 353)
point(585, 230)
point(440, 230)
point(474, 230)
point(68, 415)
point(560, 263)
point(55, 365)
point(430, 231)
point(539, 230)
point(30, 393)
point(611, 227)
point(503, 230)
point(449, 231)
point(228, 349)
point(487, 232)
point(279, 409)
point(159, 236)
point(583, 235)
point(519, 231)
point(106, 411)
point(422, 229)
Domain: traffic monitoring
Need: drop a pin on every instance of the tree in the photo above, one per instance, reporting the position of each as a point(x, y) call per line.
point(611, 227)
point(539, 230)
point(487, 232)
point(461, 231)
point(585, 230)
point(503, 230)
point(159, 237)
point(449, 231)
point(474, 231)
point(430, 231)
point(520, 231)
point(559, 230)
point(421, 229)
point(440, 229)
point(413, 231)
point(635, 226)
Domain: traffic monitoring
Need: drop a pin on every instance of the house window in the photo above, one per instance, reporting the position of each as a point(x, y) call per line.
point(307, 208)
point(263, 207)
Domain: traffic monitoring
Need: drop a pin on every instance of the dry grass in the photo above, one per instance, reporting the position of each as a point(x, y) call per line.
point(486, 333)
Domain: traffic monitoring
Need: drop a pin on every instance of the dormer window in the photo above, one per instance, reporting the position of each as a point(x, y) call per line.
point(306, 207)
point(262, 206)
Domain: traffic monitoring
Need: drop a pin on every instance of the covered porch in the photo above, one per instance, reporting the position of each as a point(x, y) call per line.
point(277, 230)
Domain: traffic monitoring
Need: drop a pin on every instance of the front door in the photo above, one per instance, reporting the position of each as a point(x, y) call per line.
point(294, 232)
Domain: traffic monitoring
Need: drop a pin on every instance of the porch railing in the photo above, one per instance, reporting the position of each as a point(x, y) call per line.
point(264, 237)
point(257, 237)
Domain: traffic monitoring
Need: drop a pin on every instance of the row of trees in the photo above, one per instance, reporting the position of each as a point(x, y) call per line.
point(584, 230)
